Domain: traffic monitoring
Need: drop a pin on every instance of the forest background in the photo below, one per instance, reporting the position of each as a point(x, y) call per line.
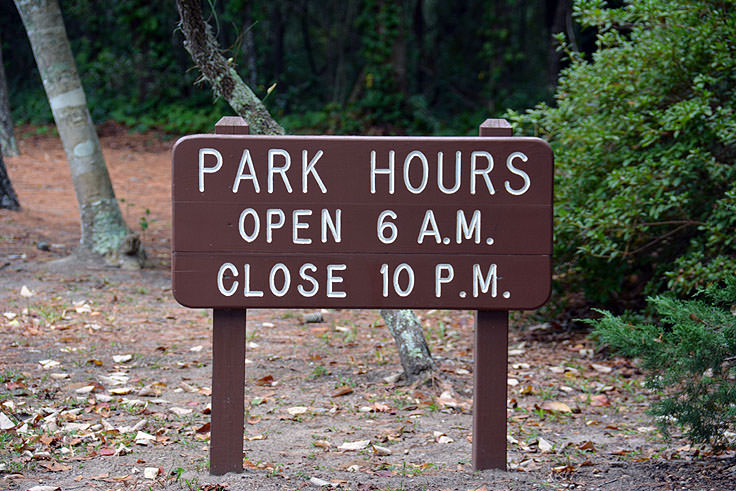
point(358, 66)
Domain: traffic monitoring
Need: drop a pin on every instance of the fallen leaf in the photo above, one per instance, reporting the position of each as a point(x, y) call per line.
point(297, 410)
point(143, 438)
point(266, 381)
point(48, 364)
point(544, 445)
point(121, 391)
point(351, 446)
point(180, 411)
point(204, 428)
point(150, 472)
point(446, 400)
point(556, 406)
point(343, 391)
point(315, 481)
point(252, 420)
point(121, 358)
point(55, 466)
point(321, 443)
point(5, 422)
point(601, 368)
point(255, 438)
point(26, 292)
point(588, 445)
point(382, 451)
point(82, 307)
point(600, 400)
point(106, 451)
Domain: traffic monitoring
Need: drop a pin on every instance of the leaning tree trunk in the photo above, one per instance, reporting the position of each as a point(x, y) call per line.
point(7, 135)
point(202, 46)
point(8, 199)
point(409, 337)
point(104, 232)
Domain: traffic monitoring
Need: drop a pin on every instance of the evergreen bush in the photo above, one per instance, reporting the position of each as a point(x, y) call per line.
point(689, 356)
point(644, 134)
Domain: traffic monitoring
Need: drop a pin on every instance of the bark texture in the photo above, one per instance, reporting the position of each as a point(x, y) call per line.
point(226, 83)
point(8, 143)
point(104, 232)
point(8, 198)
point(410, 342)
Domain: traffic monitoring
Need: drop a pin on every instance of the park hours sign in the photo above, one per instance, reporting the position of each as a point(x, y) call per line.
point(362, 222)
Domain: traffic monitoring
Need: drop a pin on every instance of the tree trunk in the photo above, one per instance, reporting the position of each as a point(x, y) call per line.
point(8, 199)
point(403, 324)
point(8, 144)
point(202, 46)
point(410, 342)
point(104, 232)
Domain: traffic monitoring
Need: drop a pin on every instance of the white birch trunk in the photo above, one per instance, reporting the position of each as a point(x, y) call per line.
point(104, 232)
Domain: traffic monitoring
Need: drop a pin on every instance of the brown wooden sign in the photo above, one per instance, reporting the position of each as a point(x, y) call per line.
point(298, 221)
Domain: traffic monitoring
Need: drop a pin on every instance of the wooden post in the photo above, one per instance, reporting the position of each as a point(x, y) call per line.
point(228, 391)
point(489, 389)
point(490, 370)
point(228, 367)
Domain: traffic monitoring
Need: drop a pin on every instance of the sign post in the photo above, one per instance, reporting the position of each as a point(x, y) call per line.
point(361, 222)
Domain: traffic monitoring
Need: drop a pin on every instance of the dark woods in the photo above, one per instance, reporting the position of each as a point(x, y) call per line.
point(347, 66)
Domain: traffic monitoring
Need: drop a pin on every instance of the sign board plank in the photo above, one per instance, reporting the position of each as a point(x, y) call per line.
point(365, 222)
point(361, 281)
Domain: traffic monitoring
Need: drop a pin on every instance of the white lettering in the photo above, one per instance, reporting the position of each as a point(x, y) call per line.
point(295, 216)
point(403, 292)
point(279, 292)
point(425, 171)
point(440, 279)
point(247, 292)
point(482, 283)
point(308, 168)
point(475, 172)
point(272, 169)
point(333, 224)
point(271, 225)
point(332, 278)
point(256, 225)
point(208, 170)
point(246, 160)
point(389, 171)
point(466, 231)
point(429, 227)
point(382, 225)
point(303, 274)
point(514, 170)
point(440, 173)
point(220, 276)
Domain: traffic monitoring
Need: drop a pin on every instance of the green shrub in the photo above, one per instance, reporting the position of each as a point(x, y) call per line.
point(644, 135)
point(689, 357)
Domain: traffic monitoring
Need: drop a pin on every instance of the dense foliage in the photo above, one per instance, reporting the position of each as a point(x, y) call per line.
point(331, 66)
point(644, 134)
point(689, 357)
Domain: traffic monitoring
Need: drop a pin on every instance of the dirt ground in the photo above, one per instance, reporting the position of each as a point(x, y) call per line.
point(105, 380)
